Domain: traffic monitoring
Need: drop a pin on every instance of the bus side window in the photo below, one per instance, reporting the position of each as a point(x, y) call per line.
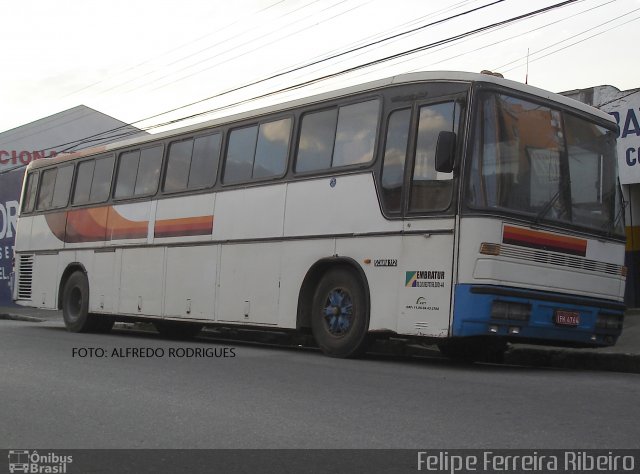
point(317, 136)
point(240, 154)
point(63, 187)
point(192, 164)
point(83, 182)
point(430, 189)
point(272, 148)
point(138, 172)
point(93, 182)
point(204, 162)
point(178, 164)
point(148, 171)
point(101, 183)
point(30, 192)
point(356, 133)
point(338, 137)
point(45, 195)
point(258, 151)
point(395, 155)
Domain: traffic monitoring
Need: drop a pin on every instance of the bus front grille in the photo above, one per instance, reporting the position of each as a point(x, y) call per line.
point(25, 279)
point(557, 259)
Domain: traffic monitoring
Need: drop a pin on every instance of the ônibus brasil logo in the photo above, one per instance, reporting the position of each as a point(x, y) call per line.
point(24, 460)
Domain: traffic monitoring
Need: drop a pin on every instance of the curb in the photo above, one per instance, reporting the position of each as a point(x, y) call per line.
point(568, 359)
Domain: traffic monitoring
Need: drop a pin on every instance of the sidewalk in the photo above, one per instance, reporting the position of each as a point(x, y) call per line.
point(623, 357)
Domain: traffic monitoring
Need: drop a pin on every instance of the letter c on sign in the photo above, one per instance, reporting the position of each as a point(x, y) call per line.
point(631, 160)
point(4, 161)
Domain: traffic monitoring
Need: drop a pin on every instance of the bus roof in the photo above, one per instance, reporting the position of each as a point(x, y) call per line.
point(425, 76)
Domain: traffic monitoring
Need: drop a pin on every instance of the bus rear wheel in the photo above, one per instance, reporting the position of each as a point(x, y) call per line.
point(340, 314)
point(75, 307)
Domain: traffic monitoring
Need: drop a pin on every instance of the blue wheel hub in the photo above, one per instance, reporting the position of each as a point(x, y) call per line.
point(338, 312)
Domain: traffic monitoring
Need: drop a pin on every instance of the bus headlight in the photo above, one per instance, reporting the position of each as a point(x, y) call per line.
point(609, 321)
point(510, 310)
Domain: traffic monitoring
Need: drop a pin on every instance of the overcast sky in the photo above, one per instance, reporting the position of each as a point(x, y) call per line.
point(134, 59)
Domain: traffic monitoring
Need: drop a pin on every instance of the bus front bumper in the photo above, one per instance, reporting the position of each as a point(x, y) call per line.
point(535, 316)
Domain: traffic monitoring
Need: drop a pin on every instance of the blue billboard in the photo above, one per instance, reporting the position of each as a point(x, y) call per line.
point(10, 186)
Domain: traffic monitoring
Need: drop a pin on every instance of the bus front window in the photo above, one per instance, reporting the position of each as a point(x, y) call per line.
point(551, 165)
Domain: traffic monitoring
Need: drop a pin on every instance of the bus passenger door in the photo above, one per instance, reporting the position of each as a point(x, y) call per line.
point(426, 204)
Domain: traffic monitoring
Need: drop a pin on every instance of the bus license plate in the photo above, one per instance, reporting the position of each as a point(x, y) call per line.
point(567, 318)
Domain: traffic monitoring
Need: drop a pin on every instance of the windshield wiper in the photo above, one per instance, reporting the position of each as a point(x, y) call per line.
point(547, 207)
point(612, 223)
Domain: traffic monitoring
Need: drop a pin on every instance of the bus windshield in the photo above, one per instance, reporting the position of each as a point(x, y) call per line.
point(545, 163)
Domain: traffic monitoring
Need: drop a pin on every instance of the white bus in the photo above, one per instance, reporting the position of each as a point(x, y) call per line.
point(455, 208)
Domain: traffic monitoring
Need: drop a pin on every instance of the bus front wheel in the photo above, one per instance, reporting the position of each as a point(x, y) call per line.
point(75, 307)
point(340, 314)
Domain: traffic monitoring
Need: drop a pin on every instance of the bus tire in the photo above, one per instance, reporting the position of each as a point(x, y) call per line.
point(177, 330)
point(75, 306)
point(340, 314)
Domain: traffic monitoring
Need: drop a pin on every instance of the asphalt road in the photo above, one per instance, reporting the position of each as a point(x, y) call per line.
point(206, 394)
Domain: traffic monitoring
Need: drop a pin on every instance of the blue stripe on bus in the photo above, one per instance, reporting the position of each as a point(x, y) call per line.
point(472, 316)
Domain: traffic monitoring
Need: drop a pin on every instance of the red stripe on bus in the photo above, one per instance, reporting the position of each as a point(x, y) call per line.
point(187, 226)
point(544, 240)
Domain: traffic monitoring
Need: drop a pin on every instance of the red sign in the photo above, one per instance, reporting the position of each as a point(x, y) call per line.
point(24, 157)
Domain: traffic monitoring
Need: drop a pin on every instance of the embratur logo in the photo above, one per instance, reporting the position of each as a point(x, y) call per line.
point(425, 278)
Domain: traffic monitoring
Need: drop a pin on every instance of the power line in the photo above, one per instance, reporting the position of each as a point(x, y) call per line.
point(184, 45)
point(228, 50)
point(339, 73)
point(513, 37)
point(285, 72)
point(574, 36)
point(338, 54)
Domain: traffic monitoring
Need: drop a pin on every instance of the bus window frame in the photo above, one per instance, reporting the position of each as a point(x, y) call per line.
point(165, 163)
point(73, 174)
point(76, 165)
point(37, 208)
point(116, 171)
point(33, 202)
point(337, 104)
point(383, 148)
point(255, 122)
point(460, 101)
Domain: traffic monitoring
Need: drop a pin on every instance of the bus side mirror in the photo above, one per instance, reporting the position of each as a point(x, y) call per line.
point(445, 152)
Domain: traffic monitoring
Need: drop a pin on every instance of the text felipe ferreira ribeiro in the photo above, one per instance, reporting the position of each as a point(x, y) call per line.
point(155, 352)
point(532, 461)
